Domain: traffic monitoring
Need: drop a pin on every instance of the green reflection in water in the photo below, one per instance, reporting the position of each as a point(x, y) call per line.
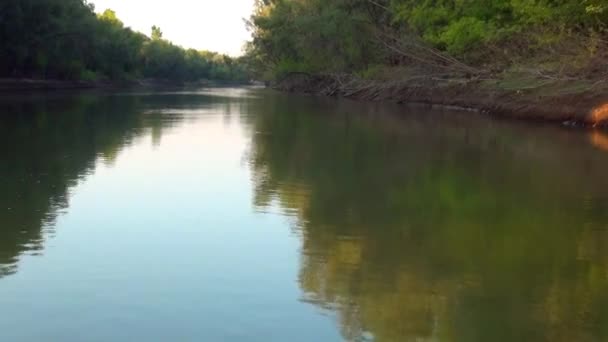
point(440, 226)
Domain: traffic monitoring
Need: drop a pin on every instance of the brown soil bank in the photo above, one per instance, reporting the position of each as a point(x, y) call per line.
point(565, 101)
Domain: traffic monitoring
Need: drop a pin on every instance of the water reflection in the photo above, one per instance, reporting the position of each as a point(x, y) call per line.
point(46, 146)
point(51, 142)
point(413, 226)
point(438, 226)
point(599, 139)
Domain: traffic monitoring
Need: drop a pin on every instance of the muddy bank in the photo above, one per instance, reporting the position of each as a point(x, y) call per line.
point(556, 101)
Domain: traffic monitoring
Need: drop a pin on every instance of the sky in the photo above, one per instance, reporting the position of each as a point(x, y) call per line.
point(214, 25)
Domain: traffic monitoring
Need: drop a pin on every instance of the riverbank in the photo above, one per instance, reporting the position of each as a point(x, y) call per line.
point(22, 84)
point(571, 102)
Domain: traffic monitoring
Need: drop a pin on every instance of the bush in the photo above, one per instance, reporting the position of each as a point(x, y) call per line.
point(89, 76)
point(465, 34)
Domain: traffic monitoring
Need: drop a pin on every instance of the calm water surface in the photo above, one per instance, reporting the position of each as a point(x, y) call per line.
point(246, 215)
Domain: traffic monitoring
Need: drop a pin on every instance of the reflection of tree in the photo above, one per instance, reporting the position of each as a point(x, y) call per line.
point(453, 230)
point(47, 145)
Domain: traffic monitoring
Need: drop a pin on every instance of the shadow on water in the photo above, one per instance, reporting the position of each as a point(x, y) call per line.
point(439, 226)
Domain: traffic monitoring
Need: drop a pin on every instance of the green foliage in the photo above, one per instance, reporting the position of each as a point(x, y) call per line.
point(313, 35)
point(88, 75)
point(64, 39)
point(465, 33)
point(157, 34)
point(457, 26)
point(286, 66)
point(350, 35)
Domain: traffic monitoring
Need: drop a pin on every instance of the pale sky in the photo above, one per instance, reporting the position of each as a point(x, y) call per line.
point(215, 25)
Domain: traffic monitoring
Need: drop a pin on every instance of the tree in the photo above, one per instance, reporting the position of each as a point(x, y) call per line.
point(66, 40)
point(356, 36)
point(157, 34)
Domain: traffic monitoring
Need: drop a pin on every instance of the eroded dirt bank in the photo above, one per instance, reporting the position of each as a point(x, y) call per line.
point(557, 101)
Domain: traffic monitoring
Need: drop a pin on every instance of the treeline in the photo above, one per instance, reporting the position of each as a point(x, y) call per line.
point(365, 36)
point(65, 39)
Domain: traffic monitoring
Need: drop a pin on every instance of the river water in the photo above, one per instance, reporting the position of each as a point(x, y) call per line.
point(248, 215)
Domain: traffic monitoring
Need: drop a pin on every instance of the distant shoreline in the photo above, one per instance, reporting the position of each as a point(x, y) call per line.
point(8, 85)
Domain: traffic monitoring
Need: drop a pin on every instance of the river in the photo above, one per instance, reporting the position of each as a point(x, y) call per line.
point(248, 215)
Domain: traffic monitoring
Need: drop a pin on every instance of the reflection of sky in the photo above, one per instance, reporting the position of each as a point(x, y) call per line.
point(163, 244)
point(215, 25)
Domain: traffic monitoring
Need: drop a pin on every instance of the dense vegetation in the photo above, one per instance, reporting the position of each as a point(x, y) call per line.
point(65, 39)
point(556, 37)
